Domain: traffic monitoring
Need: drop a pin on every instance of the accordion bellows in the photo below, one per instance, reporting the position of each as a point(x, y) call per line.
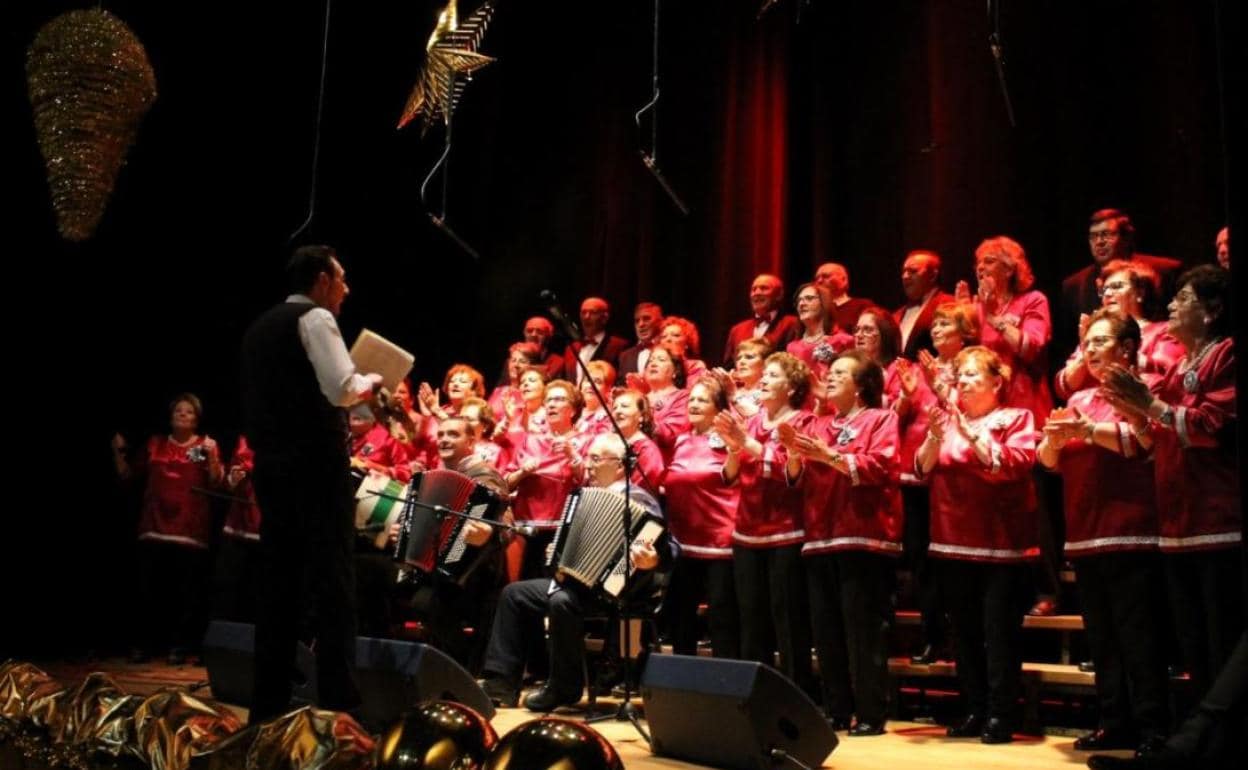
point(90, 84)
point(589, 546)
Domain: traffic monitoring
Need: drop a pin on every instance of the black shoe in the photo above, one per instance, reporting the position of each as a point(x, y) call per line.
point(1087, 667)
point(1107, 740)
point(925, 658)
point(1165, 760)
point(1045, 608)
point(500, 692)
point(1151, 746)
point(970, 727)
point(548, 699)
point(996, 731)
point(867, 728)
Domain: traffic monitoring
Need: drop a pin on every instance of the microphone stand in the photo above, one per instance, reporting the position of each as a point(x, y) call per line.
point(626, 712)
point(998, 57)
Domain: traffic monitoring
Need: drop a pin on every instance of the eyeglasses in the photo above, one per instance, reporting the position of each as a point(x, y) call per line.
point(1102, 235)
point(599, 459)
point(1099, 341)
point(1115, 286)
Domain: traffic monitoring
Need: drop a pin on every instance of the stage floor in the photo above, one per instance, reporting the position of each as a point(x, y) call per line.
point(916, 746)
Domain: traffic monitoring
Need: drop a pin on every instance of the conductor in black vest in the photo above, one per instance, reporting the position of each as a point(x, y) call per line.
point(297, 380)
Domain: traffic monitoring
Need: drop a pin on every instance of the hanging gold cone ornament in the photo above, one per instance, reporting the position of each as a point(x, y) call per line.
point(450, 59)
point(90, 85)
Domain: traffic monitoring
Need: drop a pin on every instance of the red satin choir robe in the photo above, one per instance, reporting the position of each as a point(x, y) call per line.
point(701, 508)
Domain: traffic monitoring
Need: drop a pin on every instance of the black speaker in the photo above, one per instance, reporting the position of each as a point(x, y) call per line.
point(229, 653)
point(391, 675)
point(731, 714)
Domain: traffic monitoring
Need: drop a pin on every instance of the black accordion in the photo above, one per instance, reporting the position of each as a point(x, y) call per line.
point(589, 546)
point(432, 542)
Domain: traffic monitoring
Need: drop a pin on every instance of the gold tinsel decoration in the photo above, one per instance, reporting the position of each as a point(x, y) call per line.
point(90, 85)
point(451, 57)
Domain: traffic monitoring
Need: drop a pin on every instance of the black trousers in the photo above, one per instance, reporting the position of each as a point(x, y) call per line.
point(917, 536)
point(1051, 524)
point(1118, 594)
point(771, 592)
point(235, 580)
point(693, 579)
point(459, 618)
point(307, 539)
point(1207, 598)
point(173, 581)
point(518, 625)
point(851, 613)
point(986, 603)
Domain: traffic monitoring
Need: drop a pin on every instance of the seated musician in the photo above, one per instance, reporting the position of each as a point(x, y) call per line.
point(447, 608)
point(523, 605)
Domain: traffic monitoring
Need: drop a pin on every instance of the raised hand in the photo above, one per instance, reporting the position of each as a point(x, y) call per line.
point(908, 373)
point(731, 429)
point(1128, 388)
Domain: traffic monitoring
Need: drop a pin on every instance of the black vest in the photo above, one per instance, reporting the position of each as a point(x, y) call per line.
point(287, 416)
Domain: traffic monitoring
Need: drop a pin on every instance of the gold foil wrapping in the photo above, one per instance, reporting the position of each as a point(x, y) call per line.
point(90, 85)
point(311, 739)
point(173, 726)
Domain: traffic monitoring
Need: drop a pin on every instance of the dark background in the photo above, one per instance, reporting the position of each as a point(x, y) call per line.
point(865, 130)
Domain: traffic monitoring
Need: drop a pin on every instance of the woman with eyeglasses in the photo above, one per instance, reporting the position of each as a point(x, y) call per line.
point(1111, 538)
point(544, 468)
point(1130, 290)
point(1188, 419)
point(701, 511)
point(821, 339)
point(852, 517)
point(477, 413)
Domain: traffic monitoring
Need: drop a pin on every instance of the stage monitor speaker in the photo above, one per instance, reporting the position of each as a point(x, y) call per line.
point(229, 654)
point(392, 675)
point(731, 714)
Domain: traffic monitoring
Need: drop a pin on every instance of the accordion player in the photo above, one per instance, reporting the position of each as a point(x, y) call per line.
point(434, 543)
point(589, 544)
point(566, 602)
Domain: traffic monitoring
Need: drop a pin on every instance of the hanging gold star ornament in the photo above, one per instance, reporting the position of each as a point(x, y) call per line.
point(451, 57)
point(90, 85)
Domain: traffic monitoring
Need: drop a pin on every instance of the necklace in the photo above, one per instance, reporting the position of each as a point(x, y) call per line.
point(1189, 365)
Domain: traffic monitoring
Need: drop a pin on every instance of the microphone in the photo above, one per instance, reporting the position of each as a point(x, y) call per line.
point(552, 304)
point(524, 530)
point(653, 166)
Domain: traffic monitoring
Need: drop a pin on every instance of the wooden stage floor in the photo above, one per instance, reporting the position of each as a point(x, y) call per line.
point(908, 745)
